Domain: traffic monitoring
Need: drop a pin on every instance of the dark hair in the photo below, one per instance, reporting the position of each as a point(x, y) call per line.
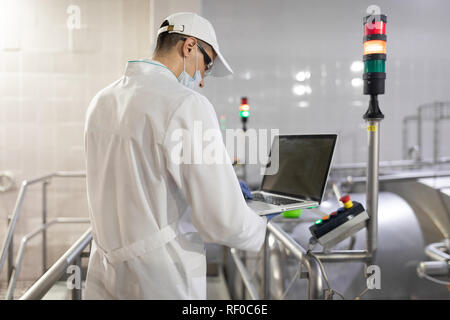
point(167, 40)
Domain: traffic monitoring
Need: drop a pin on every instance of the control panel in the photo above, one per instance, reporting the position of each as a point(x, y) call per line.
point(340, 224)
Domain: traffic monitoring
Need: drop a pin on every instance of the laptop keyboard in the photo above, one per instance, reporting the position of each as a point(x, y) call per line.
point(274, 200)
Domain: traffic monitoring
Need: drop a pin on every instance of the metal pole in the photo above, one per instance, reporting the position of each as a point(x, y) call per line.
point(344, 256)
point(43, 285)
point(315, 279)
point(372, 185)
point(419, 133)
point(265, 287)
point(373, 117)
point(76, 292)
point(436, 119)
point(244, 263)
point(12, 225)
point(244, 274)
point(10, 255)
point(44, 221)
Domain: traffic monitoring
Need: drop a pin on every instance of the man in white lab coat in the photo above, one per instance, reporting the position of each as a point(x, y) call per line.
point(151, 212)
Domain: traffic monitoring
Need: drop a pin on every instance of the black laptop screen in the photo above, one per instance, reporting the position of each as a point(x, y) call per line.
point(303, 165)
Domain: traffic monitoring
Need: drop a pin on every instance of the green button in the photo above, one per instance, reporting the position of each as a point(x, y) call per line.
point(292, 214)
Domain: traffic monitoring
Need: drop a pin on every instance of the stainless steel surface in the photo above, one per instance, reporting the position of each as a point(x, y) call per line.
point(429, 203)
point(400, 249)
point(23, 244)
point(43, 285)
point(244, 274)
point(372, 186)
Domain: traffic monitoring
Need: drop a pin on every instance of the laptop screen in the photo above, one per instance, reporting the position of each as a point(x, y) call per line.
point(303, 165)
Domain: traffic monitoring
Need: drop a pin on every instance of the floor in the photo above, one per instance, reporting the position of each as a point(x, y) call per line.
point(216, 289)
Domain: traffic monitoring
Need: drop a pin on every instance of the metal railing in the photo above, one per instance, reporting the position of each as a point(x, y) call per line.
point(23, 244)
point(7, 248)
point(314, 273)
point(45, 283)
point(436, 112)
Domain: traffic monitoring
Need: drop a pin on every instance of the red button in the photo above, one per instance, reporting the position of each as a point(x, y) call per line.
point(345, 199)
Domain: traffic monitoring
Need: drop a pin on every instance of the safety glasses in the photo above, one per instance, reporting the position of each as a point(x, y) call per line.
point(207, 59)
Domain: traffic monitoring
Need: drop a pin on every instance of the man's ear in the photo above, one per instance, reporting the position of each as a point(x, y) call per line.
point(188, 46)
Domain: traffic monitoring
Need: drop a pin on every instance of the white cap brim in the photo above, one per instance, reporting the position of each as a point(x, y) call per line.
point(220, 68)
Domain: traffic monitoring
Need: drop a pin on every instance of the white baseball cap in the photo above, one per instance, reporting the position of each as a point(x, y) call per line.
point(191, 24)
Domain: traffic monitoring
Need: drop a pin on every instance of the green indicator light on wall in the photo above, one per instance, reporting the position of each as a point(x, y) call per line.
point(245, 114)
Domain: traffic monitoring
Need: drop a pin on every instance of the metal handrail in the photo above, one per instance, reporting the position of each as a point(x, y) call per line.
point(23, 244)
point(12, 225)
point(45, 283)
point(245, 276)
point(315, 277)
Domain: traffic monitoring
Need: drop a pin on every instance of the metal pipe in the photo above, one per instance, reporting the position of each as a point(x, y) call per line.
point(20, 198)
point(12, 224)
point(405, 176)
point(44, 284)
point(434, 251)
point(44, 221)
point(244, 274)
point(372, 185)
point(266, 268)
point(344, 255)
point(405, 134)
point(10, 255)
point(23, 244)
point(436, 119)
point(419, 133)
point(315, 277)
point(76, 292)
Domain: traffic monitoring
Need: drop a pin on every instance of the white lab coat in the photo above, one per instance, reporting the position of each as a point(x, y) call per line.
point(150, 216)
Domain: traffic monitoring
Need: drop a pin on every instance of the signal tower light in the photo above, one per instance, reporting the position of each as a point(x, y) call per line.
point(374, 56)
point(244, 112)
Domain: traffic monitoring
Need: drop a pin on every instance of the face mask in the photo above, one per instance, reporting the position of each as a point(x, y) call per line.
point(186, 79)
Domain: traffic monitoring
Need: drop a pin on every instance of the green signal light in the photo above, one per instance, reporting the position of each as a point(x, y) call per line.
point(318, 221)
point(374, 66)
point(244, 114)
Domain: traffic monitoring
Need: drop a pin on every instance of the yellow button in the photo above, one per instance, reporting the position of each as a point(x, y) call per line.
point(325, 218)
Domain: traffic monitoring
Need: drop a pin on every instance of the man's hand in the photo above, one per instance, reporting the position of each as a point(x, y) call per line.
point(245, 190)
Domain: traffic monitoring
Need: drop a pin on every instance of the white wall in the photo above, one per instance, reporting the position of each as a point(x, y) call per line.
point(267, 42)
point(48, 75)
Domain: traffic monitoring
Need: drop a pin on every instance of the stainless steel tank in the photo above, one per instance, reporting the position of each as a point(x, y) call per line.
point(400, 249)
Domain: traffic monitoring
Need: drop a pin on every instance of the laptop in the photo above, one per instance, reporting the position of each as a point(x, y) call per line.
point(303, 164)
